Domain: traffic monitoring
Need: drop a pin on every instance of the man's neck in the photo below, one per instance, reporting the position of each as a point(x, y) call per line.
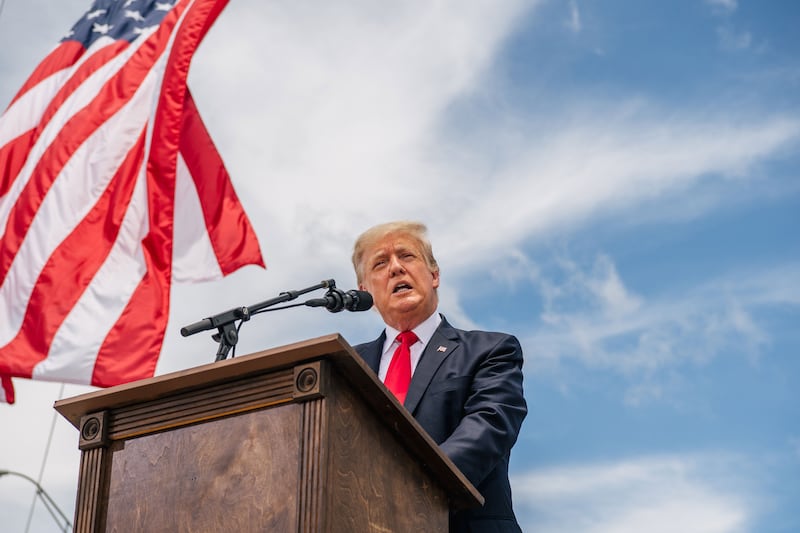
point(424, 329)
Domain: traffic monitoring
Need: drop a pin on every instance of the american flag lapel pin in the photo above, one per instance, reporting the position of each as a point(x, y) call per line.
point(441, 349)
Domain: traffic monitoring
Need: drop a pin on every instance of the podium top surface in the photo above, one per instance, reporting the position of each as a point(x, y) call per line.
point(330, 347)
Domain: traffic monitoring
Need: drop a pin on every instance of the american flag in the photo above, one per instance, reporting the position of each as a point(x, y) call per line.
point(110, 188)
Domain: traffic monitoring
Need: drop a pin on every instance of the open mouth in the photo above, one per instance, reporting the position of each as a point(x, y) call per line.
point(401, 287)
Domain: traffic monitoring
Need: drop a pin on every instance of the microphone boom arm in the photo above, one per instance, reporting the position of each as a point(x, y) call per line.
point(228, 333)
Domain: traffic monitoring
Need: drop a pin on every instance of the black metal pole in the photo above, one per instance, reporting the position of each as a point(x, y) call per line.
point(49, 503)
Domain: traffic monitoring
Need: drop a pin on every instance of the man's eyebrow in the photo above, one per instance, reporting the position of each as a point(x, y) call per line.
point(406, 250)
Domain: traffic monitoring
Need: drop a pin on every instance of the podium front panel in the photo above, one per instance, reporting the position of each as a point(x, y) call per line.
point(216, 476)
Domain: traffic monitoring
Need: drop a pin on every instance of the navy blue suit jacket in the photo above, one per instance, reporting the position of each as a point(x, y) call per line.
point(466, 392)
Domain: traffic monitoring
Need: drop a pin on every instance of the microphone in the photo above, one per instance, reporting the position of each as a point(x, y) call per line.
point(336, 300)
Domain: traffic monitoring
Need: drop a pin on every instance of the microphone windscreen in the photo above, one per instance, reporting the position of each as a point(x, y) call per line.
point(362, 300)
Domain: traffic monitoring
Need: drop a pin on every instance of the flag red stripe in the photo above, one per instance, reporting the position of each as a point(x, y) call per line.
point(232, 237)
point(8, 388)
point(71, 267)
point(12, 158)
point(63, 56)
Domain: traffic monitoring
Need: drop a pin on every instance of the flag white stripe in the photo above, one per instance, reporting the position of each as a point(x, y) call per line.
point(27, 111)
point(193, 257)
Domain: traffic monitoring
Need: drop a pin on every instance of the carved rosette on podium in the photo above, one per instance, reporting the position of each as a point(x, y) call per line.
point(301, 438)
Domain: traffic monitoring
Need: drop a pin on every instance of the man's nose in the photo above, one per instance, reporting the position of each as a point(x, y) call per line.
point(395, 266)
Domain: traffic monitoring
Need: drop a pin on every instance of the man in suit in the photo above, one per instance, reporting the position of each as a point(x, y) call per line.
point(465, 387)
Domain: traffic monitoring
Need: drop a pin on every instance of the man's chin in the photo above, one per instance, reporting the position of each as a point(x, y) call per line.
point(404, 302)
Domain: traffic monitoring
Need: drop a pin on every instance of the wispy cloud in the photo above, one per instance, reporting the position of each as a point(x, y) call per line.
point(794, 442)
point(574, 21)
point(590, 315)
point(731, 39)
point(724, 5)
point(601, 162)
point(657, 494)
point(728, 37)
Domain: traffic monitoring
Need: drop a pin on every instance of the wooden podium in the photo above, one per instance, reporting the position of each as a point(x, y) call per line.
point(301, 438)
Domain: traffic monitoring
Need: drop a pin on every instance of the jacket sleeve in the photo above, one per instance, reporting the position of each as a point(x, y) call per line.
point(493, 410)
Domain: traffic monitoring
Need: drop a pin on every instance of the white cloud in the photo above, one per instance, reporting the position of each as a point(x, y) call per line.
point(602, 286)
point(515, 267)
point(657, 494)
point(338, 118)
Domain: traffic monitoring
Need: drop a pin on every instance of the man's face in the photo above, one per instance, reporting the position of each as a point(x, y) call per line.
point(402, 284)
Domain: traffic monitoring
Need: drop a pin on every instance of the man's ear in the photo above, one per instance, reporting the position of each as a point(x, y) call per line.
point(435, 274)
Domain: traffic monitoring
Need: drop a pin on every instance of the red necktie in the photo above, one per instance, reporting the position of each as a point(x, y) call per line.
point(399, 374)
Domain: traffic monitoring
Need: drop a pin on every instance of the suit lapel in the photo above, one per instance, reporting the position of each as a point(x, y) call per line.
point(440, 347)
point(371, 352)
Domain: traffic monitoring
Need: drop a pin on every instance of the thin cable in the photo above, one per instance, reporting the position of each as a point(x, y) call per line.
point(46, 452)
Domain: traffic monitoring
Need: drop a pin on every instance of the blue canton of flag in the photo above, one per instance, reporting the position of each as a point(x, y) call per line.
point(118, 20)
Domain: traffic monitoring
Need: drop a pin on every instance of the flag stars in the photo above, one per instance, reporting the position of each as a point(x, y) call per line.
point(101, 28)
point(135, 15)
point(94, 14)
point(163, 6)
point(128, 2)
point(140, 31)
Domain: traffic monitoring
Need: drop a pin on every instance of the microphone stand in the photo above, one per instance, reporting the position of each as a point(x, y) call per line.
point(228, 333)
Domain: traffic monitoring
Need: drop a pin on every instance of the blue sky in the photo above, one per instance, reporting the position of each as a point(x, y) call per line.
point(615, 182)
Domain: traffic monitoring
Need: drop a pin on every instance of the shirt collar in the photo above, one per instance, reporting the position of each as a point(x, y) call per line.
point(424, 331)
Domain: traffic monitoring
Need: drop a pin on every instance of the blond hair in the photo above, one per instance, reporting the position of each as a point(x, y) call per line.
point(416, 230)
